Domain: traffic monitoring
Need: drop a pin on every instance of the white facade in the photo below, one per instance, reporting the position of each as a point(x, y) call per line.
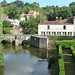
point(22, 19)
point(14, 21)
point(57, 29)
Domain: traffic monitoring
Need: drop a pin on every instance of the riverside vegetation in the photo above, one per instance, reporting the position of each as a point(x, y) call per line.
point(1, 53)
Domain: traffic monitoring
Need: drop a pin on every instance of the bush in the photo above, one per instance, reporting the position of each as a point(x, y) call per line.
point(51, 60)
point(7, 31)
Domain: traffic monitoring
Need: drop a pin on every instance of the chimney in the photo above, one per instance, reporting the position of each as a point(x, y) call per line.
point(60, 18)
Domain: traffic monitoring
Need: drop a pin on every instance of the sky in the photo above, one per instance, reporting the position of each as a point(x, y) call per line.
point(44, 3)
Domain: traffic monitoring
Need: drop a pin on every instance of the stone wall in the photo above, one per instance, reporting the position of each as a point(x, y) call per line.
point(40, 42)
point(51, 44)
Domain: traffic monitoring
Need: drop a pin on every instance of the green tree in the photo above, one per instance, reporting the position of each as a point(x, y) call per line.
point(4, 3)
point(31, 25)
point(26, 9)
point(73, 3)
point(72, 7)
point(1, 22)
point(6, 27)
point(65, 12)
point(6, 24)
point(18, 3)
point(27, 4)
point(13, 12)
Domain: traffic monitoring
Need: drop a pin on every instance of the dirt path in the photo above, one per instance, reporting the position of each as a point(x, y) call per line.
point(69, 62)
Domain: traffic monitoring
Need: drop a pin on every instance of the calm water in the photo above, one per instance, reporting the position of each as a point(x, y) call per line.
point(24, 61)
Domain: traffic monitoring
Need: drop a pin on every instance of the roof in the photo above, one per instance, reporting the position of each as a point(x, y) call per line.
point(31, 11)
point(4, 15)
point(65, 21)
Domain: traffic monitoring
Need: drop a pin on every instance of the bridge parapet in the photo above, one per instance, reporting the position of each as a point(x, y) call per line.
point(17, 38)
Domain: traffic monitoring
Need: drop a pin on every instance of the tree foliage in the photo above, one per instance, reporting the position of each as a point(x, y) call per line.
point(48, 13)
point(15, 8)
point(1, 10)
point(6, 24)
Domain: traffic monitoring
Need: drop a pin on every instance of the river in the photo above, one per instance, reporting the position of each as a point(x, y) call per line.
point(19, 60)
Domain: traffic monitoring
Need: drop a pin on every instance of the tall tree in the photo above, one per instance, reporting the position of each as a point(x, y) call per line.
point(65, 12)
point(72, 7)
point(18, 3)
point(13, 12)
point(4, 3)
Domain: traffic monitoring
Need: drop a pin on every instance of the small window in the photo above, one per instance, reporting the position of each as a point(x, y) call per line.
point(53, 33)
point(48, 33)
point(43, 33)
point(58, 33)
point(70, 33)
point(64, 27)
point(64, 33)
point(48, 27)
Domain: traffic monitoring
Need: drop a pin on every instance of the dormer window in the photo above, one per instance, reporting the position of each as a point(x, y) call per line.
point(64, 27)
point(48, 27)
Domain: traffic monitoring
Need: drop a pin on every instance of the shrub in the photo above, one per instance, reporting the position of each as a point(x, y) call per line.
point(51, 60)
point(7, 31)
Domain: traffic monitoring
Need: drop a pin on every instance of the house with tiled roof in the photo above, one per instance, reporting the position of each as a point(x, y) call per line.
point(64, 27)
point(5, 17)
point(33, 13)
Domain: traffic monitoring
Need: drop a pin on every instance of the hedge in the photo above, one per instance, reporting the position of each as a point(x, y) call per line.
point(61, 62)
point(66, 43)
point(73, 52)
point(61, 37)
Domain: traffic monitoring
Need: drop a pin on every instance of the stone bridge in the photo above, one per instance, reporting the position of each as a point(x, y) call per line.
point(17, 38)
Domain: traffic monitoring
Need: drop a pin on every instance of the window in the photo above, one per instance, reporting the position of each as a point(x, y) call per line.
point(43, 33)
point(48, 27)
point(64, 27)
point(58, 33)
point(48, 33)
point(64, 33)
point(70, 33)
point(53, 33)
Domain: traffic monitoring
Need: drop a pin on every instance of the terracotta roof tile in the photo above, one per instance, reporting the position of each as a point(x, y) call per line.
point(31, 11)
point(65, 21)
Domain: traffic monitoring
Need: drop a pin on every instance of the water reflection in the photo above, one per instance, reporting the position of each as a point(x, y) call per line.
point(24, 61)
point(1, 70)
